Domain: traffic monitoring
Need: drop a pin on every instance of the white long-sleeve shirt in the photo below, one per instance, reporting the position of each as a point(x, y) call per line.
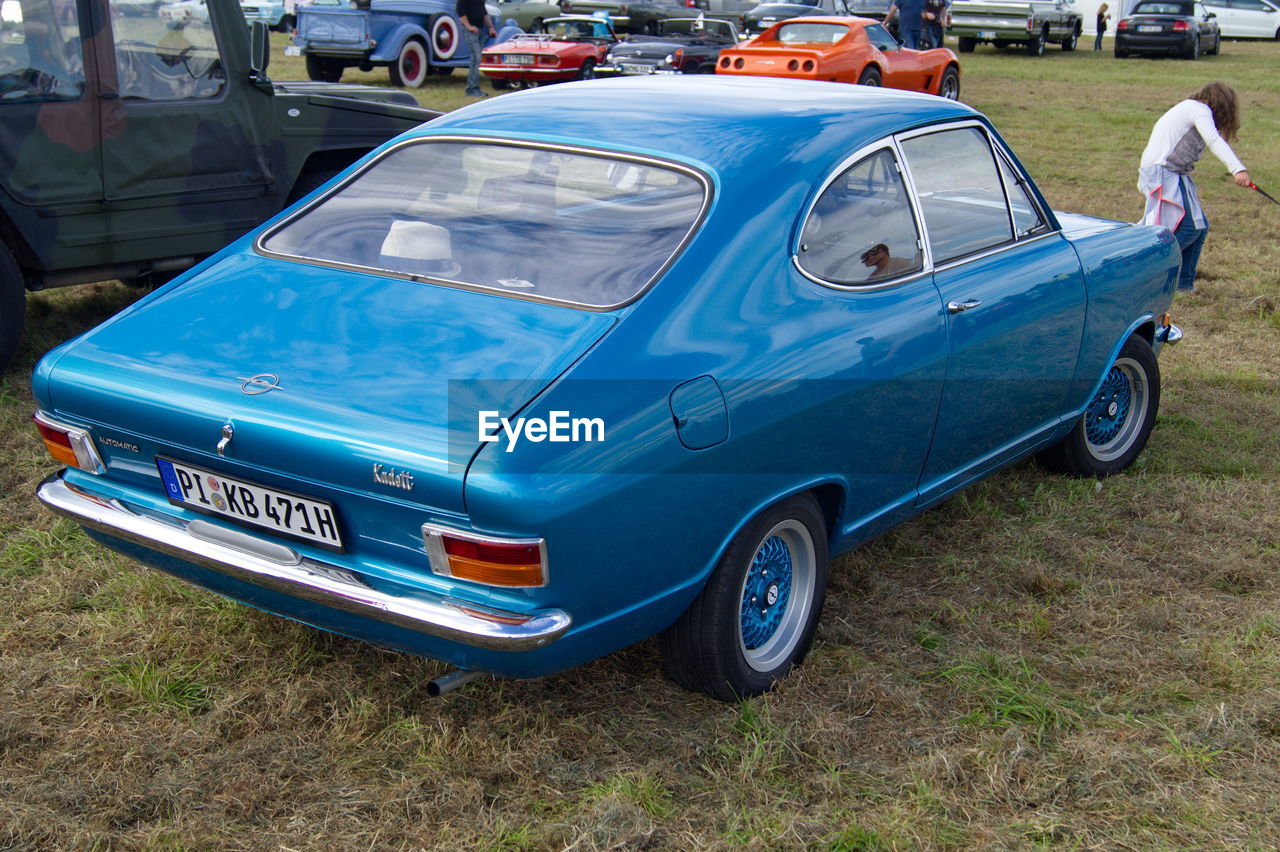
point(1180, 136)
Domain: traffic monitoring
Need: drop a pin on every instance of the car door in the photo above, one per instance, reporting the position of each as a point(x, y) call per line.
point(1015, 299)
point(1208, 26)
point(903, 69)
point(1255, 18)
point(869, 322)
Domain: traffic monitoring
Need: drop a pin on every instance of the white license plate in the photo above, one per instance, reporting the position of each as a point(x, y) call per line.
point(987, 34)
point(1150, 29)
point(517, 59)
point(290, 515)
point(631, 68)
point(292, 50)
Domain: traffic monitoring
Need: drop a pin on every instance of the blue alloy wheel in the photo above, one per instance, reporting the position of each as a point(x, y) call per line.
point(755, 618)
point(1117, 422)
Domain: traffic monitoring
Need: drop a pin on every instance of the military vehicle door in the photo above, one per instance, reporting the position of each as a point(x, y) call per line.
point(182, 122)
point(49, 125)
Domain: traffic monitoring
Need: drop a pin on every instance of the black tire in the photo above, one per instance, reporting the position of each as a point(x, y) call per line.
point(535, 25)
point(441, 70)
point(412, 65)
point(1121, 53)
point(871, 77)
point(588, 69)
point(949, 85)
point(286, 24)
point(651, 27)
point(1117, 422)
point(324, 70)
point(1217, 47)
point(1193, 52)
point(309, 182)
point(711, 648)
point(1035, 45)
point(13, 307)
point(1070, 43)
point(500, 85)
point(966, 44)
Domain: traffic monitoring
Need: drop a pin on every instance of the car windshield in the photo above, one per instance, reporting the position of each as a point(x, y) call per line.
point(584, 229)
point(564, 28)
point(1162, 9)
point(809, 33)
point(695, 27)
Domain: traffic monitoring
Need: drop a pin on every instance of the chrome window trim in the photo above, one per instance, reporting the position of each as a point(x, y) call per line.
point(604, 153)
point(884, 144)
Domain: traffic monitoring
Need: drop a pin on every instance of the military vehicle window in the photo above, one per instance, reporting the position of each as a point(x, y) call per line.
point(40, 55)
point(166, 52)
point(588, 230)
point(960, 191)
point(861, 229)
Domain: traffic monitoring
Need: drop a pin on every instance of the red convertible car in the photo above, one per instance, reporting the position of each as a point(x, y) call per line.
point(567, 48)
point(843, 50)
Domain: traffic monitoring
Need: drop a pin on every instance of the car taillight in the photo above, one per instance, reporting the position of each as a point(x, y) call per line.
point(1181, 26)
point(724, 62)
point(1031, 24)
point(492, 561)
point(69, 445)
point(1123, 25)
point(548, 60)
point(738, 63)
point(808, 65)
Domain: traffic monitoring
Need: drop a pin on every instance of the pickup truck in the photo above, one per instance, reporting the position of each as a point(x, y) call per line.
point(1030, 24)
point(413, 38)
point(136, 154)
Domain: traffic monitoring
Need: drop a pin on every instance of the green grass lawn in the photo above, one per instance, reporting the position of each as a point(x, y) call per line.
point(1040, 663)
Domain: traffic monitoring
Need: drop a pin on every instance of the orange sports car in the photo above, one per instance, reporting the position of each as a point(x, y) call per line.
point(843, 50)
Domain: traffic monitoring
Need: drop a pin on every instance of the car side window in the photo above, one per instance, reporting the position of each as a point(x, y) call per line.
point(880, 37)
point(40, 55)
point(166, 52)
point(961, 194)
point(861, 229)
point(1026, 216)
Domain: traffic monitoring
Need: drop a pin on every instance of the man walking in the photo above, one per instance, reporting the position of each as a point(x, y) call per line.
point(910, 21)
point(474, 16)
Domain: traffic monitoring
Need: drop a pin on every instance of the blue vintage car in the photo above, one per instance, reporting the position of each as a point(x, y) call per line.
point(577, 366)
point(413, 38)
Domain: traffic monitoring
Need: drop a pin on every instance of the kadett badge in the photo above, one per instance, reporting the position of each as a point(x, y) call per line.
point(389, 476)
point(261, 383)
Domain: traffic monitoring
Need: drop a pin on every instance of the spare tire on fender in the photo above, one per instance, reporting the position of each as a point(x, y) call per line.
point(445, 33)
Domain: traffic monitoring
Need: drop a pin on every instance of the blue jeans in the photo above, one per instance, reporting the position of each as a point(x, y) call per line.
point(932, 36)
point(1097, 42)
point(910, 37)
point(1191, 239)
point(473, 68)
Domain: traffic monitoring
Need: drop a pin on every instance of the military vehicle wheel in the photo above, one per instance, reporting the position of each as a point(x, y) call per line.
point(13, 307)
point(411, 67)
point(324, 70)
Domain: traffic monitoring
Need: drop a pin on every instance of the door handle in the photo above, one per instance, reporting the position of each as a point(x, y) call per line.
point(961, 307)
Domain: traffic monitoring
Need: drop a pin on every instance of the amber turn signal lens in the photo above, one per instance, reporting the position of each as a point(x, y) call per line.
point(68, 445)
point(493, 562)
point(58, 445)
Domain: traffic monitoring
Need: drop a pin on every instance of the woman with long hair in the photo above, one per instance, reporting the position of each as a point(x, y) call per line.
point(1103, 17)
point(1210, 118)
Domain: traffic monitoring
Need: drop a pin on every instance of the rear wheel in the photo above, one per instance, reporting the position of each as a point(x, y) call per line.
point(949, 86)
point(323, 70)
point(1121, 53)
point(1035, 45)
point(13, 306)
point(1193, 52)
point(755, 618)
point(588, 70)
point(411, 67)
point(1114, 428)
point(965, 44)
point(871, 77)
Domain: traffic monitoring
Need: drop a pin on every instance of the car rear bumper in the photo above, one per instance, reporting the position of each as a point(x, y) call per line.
point(278, 569)
point(1154, 44)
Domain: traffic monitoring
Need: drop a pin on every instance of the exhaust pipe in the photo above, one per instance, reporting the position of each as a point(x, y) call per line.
point(451, 681)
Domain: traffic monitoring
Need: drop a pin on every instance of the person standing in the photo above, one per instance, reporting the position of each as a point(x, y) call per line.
point(1103, 17)
point(474, 16)
point(934, 20)
point(910, 21)
point(1210, 118)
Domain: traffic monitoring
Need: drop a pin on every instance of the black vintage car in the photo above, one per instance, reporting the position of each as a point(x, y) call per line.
point(682, 46)
point(1178, 27)
point(767, 14)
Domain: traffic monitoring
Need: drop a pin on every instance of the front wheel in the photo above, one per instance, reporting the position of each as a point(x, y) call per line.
point(756, 617)
point(13, 306)
point(411, 67)
point(949, 85)
point(871, 77)
point(1114, 428)
point(588, 70)
point(1070, 43)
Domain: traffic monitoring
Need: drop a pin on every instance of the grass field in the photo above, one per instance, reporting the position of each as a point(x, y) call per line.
point(1040, 663)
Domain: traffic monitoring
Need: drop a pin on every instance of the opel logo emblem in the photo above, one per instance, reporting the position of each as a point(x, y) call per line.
point(260, 383)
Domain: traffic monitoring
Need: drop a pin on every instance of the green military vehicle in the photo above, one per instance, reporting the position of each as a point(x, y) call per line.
point(137, 137)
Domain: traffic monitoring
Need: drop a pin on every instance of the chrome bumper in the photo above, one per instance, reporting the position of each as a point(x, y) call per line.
point(278, 568)
point(1168, 335)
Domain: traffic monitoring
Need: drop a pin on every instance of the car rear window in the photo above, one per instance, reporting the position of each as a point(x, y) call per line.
point(808, 33)
point(559, 225)
point(1161, 9)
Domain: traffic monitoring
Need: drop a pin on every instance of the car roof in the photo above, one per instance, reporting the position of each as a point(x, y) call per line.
point(721, 124)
